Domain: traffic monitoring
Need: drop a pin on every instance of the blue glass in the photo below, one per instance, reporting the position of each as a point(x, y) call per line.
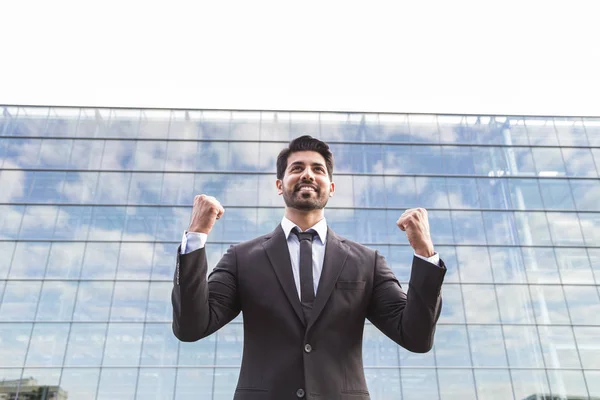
point(579, 162)
point(492, 161)
point(56, 301)
point(458, 160)
point(145, 188)
point(584, 304)
point(565, 229)
point(525, 194)
point(418, 384)
point(529, 382)
point(441, 228)
point(462, 193)
point(571, 132)
point(177, 189)
point(117, 383)
point(592, 379)
point(453, 129)
point(448, 255)
point(352, 158)
point(565, 383)
point(173, 221)
point(201, 353)
point(574, 266)
point(452, 346)
point(507, 265)
point(520, 161)
point(123, 344)
point(500, 228)
point(93, 301)
point(556, 194)
point(540, 265)
point(400, 261)
point(21, 153)
point(523, 347)
point(160, 346)
point(159, 306)
point(38, 222)
point(474, 264)
point(129, 301)
point(29, 260)
point(533, 228)
point(155, 383)
point(47, 345)
point(86, 344)
point(549, 161)
point(20, 300)
point(215, 124)
point(135, 261)
point(559, 347)
point(586, 194)
point(100, 260)
point(590, 226)
point(453, 308)
point(401, 192)
point(194, 383)
point(493, 384)
point(370, 191)
point(424, 128)
point(378, 349)
point(240, 190)
point(456, 384)
point(107, 223)
point(480, 304)
point(239, 224)
point(230, 340)
point(72, 223)
point(541, 131)
point(141, 223)
point(383, 383)
point(515, 304)
point(549, 304)
point(162, 261)
point(245, 157)
point(112, 188)
point(6, 253)
point(80, 383)
point(432, 192)
point(378, 224)
point(468, 227)
point(587, 341)
point(494, 193)
point(86, 154)
point(245, 125)
point(274, 125)
point(154, 123)
point(516, 132)
point(118, 155)
point(392, 127)
point(15, 340)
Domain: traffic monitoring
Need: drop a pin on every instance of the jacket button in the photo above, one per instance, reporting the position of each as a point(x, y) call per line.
point(307, 348)
point(300, 393)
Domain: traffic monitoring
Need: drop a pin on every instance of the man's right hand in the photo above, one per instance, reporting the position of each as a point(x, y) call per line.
point(205, 212)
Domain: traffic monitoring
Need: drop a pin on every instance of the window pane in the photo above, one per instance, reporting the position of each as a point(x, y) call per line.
point(14, 339)
point(492, 161)
point(541, 132)
point(458, 160)
point(540, 265)
point(480, 304)
point(145, 188)
point(584, 305)
point(54, 153)
point(160, 345)
point(244, 157)
point(574, 266)
point(592, 379)
point(448, 255)
point(523, 347)
point(38, 222)
point(589, 348)
point(453, 309)
point(452, 346)
point(453, 129)
point(20, 301)
point(462, 193)
point(129, 301)
point(487, 346)
point(65, 260)
point(107, 223)
point(474, 264)
point(117, 383)
point(500, 228)
point(423, 128)
point(432, 192)
point(383, 383)
point(456, 384)
point(527, 383)
point(393, 127)
point(493, 384)
point(80, 383)
point(86, 154)
point(154, 124)
point(156, 384)
point(140, 223)
point(159, 304)
point(123, 344)
point(198, 353)
point(135, 261)
point(6, 254)
point(418, 384)
point(93, 301)
point(86, 344)
point(586, 194)
point(507, 265)
point(351, 158)
point(559, 347)
point(194, 383)
point(520, 161)
point(525, 194)
point(579, 162)
point(548, 162)
point(100, 260)
point(533, 228)
point(549, 305)
point(401, 192)
point(369, 191)
point(494, 193)
point(118, 155)
point(47, 347)
point(57, 301)
point(29, 260)
point(468, 227)
point(570, 132)
point(378, 349)
point(567, 383)
point(515, 306)
point(230, 341)
point(590, 225)
point(565, 229)
point(557, 194)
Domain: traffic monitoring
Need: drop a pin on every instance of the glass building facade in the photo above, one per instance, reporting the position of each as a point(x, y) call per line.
point(94, 201)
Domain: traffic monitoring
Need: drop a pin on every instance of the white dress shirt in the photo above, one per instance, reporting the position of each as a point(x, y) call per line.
point(192, 241)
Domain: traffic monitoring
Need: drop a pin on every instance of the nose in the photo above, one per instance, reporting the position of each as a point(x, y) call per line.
point(307, 175)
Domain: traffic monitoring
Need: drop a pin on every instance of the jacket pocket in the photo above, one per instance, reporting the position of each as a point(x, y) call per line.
point(350, 285)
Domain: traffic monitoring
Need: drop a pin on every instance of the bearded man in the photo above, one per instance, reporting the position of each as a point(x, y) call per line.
point(305, 292)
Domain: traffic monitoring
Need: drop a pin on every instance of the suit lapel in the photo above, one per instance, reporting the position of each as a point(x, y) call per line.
point(277, 251)
point(335, 258)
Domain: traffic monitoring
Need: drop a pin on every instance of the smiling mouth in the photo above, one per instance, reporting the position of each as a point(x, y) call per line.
point(306, 189)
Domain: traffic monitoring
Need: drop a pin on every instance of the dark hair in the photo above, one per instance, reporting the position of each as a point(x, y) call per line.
point(304, 143)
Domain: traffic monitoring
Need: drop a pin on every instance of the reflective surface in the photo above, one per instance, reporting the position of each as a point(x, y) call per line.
point(93, 203)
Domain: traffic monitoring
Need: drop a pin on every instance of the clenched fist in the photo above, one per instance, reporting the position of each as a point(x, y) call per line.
point(415, 223)
point(205, 212)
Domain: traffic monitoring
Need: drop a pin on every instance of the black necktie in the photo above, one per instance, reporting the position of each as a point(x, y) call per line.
point(307, 290)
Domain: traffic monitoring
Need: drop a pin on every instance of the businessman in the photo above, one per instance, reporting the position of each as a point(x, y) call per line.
point(304, 291)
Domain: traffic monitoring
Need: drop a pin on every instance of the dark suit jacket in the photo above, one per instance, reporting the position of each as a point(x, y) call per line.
point(286, 357)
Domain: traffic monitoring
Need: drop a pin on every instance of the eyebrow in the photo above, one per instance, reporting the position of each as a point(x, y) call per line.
point(315, 164)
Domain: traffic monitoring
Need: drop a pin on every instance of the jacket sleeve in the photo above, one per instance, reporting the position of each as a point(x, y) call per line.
point(408, 319)
point(202, 306)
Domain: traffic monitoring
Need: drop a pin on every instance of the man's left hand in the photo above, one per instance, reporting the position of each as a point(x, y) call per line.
point(415, 223)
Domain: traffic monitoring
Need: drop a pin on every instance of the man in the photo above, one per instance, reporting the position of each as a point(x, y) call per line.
point(304, 303)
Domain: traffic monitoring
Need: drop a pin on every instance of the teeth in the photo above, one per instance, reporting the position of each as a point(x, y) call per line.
point(306, 188)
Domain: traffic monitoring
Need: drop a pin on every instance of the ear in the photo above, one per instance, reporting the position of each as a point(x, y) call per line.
point(331, 189)
point(279, 185)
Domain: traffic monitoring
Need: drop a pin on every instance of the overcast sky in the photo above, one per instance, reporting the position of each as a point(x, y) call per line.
point(501, 57)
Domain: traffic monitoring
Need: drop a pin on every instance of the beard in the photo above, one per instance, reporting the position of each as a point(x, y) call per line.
point(305, 201)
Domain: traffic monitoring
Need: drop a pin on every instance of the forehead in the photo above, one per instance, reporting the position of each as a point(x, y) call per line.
point(305, 157)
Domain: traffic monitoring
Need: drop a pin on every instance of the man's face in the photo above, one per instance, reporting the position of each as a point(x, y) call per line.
point(306, 185)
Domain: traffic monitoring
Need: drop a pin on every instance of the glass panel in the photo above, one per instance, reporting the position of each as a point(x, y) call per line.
point(492, 161)
point(589, 348)
point(376, 224)
point(507, 265)
point(38, 222)
point(480, 304)
point(453, 129)
point(123, 344)
point(160, 345)
point(154, 124)
point(440, 224)
point(400, 261)
point(523, 347)
point(558, 346)
point(194, 383)
point(586, 194)
point(42, 381)
point(500, 228)
point(423, 128)
point(453, 309)
point(230, 340)
point(163, 261)
point(520, 161)
point(135, 261)
point(596, 155)
point(54, 153)
point(394, 127)
point(145, 188)
point(527, 383)
point(432, 192)
point(533, 228)
point(584, 305)
point(487, 346)
point(93, 301)
point(541, 132)
point(468, 227)
point(400, 191)
point(448, 255)
point(241, 190)
point(129, 301)
point(29, 260)
point(65, 260)
point(456, 384)
point(42, 187)
point(579, 162)
point(411, 359)
point(567, 384)
point(350, 158)
point(159, 304)
point(517, 133)
point(458, 160)
point(574, 266)
point(239, 224)
point(92, 122)
point(383, 383)
point(14, 339)
point(592, 379)
point(556, 194)
point(15, 187)
point(47, 347)
point(173, 221)
point(157, 384)
point(474, 264)
point(244, 157)
point(462, 193)
point(549, 305)
point(525, 194)
point(369, 191)
point(548, 162)
point(540, 265)
point(418, 384)
point(570, 132)
point(338, 126)
point(100, 261)
point(594, 255)
point(452, 346)
point(378, 350)
point(141, 223)
point(86, 154)
point(20, 301)
point(118, 155)
point(590, 225)
point(6, 254)
point(80, 383)
point(107, 223)
point(565, 229)
point(198, 353)
point(86, 344)
point(494, 193)
point(515, 307)
point(57, 301)
point(117, 383)
point(493, 384)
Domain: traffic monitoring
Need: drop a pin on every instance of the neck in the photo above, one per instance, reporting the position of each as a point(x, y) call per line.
point(304, 219)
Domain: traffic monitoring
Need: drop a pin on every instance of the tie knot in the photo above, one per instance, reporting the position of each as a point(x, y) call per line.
point(308, 235)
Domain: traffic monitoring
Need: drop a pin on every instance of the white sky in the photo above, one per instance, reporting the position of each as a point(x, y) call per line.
point(502, 57)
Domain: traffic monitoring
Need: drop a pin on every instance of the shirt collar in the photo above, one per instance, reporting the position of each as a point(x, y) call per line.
point(320, 227)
